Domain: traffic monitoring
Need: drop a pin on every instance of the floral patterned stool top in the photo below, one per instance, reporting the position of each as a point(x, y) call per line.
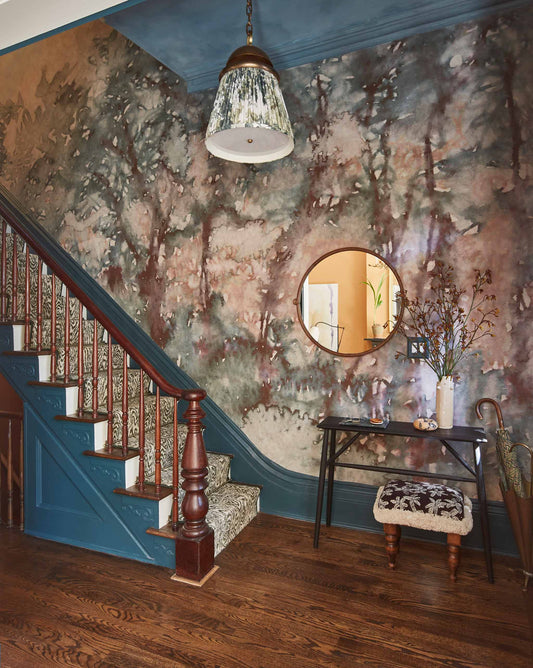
point(424, 505)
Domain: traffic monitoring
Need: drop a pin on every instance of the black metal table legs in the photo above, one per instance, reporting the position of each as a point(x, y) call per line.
point(331, 474)
point(483, 510)
point(321, 481)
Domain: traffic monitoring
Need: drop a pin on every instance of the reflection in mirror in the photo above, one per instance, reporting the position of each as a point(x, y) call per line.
point(349, 301)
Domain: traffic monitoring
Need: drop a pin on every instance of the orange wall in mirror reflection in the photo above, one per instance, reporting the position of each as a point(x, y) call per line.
point(348, 270)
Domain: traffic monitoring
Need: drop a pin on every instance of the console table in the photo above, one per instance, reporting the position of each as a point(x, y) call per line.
point(330, 455)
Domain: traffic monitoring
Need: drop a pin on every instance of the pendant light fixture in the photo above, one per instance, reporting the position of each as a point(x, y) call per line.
point(249, 122)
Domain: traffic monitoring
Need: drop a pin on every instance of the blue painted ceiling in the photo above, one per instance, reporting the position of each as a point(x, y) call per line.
point(194, 38)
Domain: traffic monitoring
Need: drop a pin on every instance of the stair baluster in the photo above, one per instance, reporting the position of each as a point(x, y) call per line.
point(95, 368)
point(157, 440)
point(109, 442)
point(175, 468)
point(3, 274)
point(80, 359)
point(27, 305)
point(141, 433)
point(67, 336)
point(53, 332)
point(15, 277)
point(125, 403)
point(39, 305)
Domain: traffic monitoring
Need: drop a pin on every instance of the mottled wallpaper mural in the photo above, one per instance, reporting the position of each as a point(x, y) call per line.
point(419, 150)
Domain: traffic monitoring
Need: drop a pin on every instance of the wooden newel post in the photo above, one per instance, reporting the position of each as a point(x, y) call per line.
point(195, 545)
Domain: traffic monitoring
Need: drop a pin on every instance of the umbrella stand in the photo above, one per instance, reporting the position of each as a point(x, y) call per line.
point(520, 512)
point(517, 492)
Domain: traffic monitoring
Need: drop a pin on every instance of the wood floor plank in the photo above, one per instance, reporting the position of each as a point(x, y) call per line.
point(275, 602)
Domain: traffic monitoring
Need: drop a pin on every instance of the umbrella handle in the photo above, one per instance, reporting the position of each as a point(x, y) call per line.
point(524, 445)
point(496, 408)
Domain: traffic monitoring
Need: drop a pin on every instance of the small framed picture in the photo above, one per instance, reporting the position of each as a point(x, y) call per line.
point(417, 347)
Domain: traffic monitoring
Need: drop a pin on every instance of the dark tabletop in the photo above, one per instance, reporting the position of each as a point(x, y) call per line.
point(467, 434)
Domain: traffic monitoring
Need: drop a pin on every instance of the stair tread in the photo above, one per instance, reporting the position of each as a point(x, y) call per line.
point(114, 453)
point(149, 491)
point(84, 417)
point(53, 383)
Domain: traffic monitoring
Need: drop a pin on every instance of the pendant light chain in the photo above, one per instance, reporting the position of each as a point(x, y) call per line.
point(249, 29)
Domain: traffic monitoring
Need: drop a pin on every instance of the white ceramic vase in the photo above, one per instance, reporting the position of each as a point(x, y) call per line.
point(445, 402)
point(378, 331)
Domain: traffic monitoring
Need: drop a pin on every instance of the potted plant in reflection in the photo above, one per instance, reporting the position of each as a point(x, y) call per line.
point(377, 328)
point(449, 322)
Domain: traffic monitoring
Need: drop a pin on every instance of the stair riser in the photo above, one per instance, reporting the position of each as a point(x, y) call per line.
point(116, 359)
point(60, 334)
point(167, 412)
point(134, 386)
point(46, 310)
point(87, 333)
point(21, 256)
point(218, 468)
point(232, 507)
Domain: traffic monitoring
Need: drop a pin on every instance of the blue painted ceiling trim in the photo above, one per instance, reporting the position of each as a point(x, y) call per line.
point(73, 24)
point(195, 39)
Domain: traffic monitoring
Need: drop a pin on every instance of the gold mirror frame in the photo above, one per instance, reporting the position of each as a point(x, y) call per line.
point(375, 346)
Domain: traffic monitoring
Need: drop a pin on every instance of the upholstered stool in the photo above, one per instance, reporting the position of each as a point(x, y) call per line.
point(423, 505)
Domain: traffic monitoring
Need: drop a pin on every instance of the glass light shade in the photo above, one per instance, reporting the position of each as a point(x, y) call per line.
point(249, 122)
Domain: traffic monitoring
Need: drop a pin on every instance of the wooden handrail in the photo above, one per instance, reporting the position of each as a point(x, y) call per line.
point(133, 352)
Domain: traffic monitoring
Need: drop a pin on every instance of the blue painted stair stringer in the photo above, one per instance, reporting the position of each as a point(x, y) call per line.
point(61, 501)
point(69, 496)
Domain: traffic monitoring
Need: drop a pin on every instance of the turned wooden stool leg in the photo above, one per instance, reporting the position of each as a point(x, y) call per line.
point(454, 548)
point(392, 542)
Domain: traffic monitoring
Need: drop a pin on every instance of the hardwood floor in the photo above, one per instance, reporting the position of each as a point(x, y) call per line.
point(275, 601)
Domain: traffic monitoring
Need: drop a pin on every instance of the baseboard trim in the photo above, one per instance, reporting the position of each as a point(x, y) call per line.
point(352, 508)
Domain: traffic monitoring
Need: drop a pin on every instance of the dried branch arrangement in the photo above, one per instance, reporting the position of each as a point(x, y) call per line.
point(449, 320)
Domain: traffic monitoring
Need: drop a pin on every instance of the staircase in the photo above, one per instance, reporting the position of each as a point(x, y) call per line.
point(114, 452)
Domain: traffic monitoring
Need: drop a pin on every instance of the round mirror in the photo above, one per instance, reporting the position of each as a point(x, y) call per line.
point(349, 301)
